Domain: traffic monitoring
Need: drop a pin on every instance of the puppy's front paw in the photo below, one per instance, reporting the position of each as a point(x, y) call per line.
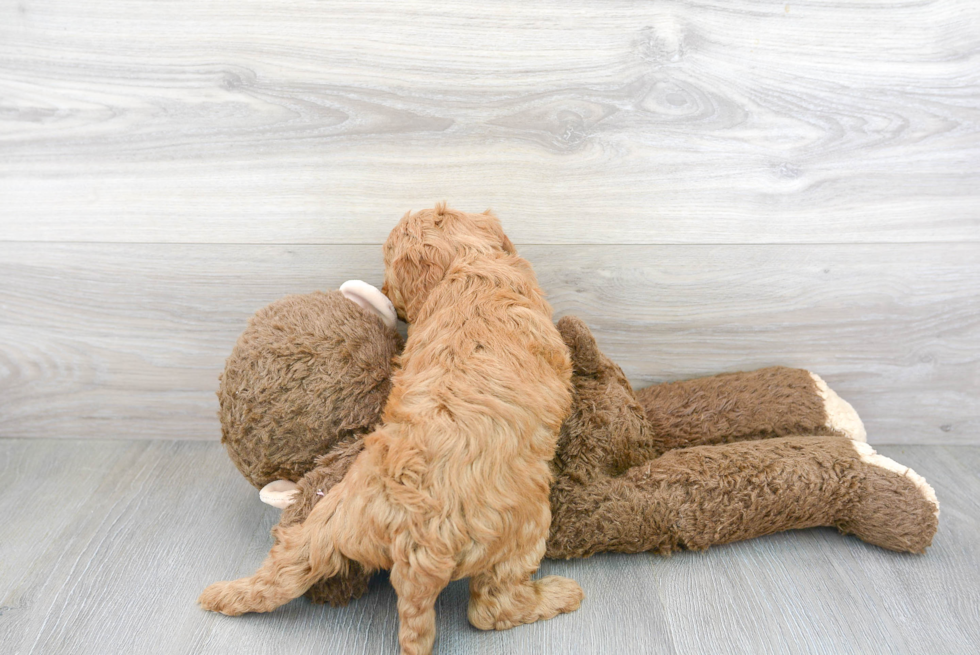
point(223, 597)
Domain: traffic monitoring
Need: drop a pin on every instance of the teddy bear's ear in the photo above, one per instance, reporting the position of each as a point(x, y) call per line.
point(369, 297)
point(586, 356)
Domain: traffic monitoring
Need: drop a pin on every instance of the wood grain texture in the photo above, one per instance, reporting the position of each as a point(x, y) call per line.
point(582, 122)
point(126, 340)
point(132, 531)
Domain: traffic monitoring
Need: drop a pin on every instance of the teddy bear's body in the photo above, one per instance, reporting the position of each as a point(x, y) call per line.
point(714, 460)
point(679, 465)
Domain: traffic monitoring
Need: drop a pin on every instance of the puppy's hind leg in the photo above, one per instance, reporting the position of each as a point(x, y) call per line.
point(505, 596)
point(304, 554)
point(418, 587)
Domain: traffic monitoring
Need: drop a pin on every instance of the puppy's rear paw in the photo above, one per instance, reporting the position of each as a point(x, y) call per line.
point(222, 597)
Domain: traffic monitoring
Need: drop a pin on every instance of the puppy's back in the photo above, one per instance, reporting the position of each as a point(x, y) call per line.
point(485, 351)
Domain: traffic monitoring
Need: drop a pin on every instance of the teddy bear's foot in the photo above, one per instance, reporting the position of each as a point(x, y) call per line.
point(841, 417)
point(898, 509)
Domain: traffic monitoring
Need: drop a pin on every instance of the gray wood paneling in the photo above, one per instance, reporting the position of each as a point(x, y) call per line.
point(127, 340)
point(586, 122)
point(109, 553)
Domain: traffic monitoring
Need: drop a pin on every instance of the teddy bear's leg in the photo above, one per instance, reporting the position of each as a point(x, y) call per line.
point(707, 495)
point(763, 404)
point(899, 510)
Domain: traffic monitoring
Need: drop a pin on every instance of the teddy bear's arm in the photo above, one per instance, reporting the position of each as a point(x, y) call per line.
point(762, 404)
point(697, 497)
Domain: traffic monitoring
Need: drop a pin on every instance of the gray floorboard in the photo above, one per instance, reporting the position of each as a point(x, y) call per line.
point(105, 546)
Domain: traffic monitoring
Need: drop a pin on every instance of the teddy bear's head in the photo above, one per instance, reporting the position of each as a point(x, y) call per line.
point(308, 372)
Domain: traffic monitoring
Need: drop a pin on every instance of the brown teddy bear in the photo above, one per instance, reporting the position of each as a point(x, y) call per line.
point(679, 465)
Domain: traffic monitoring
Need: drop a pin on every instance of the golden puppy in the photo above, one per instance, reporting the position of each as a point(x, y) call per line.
point(455, 482)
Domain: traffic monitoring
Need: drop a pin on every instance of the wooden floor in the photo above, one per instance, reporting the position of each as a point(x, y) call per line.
point(105, 545)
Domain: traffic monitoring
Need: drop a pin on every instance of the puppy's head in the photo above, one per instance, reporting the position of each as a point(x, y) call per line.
point(422, 247)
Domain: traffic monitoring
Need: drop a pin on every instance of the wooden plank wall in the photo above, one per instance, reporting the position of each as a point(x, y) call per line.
point(711, 185)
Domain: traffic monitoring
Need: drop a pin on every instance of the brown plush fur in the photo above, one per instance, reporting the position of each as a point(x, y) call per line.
point(455, 483)
point(308, 372)
point(735, 407)
point(615, 491)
